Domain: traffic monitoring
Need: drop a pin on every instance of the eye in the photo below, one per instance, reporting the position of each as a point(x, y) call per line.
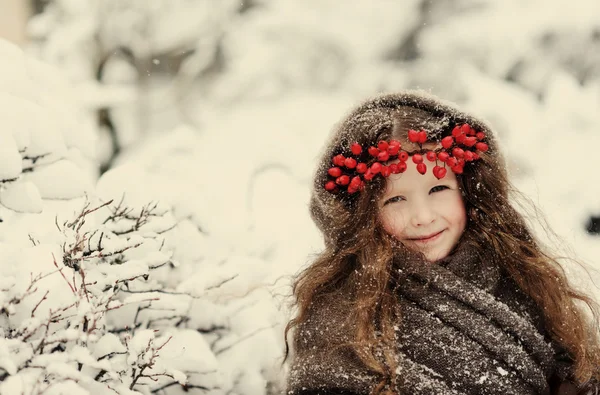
point(438, 188)
point(394, 200)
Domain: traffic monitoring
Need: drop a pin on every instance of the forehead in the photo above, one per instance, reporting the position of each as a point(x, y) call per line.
point(411, 179)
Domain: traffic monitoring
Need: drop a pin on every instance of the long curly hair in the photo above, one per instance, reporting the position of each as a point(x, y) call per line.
point(358, 253)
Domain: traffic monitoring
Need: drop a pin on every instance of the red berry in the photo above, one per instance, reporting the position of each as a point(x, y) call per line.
point(403, 156)
point(483, 147)
point(465, 128)
point(447, 142)
point(458, 152)
point(335, 172)
point(439, 172)
point(443, 156)
point(417, 158)
point(330, 186)
point(350, 163)
point(373, 151)
point(369, 175)
point(456, 131)
point(480, 136)
point(460, 139)
point(413, 136)
point(475, 156)
point(338, 160)
point(355, 182)
point(430, 155)
point(343, 180)
point(394, 168)
point(422, 168)
point(375, 167)
point(422, 137)
point(383, 156)
point(457, 169)
point(383, 145)
point(352, 190)
point(393, 149)
point(452, 161)
point(361, 168)
point(401, 167)
point(356, 148)
point(385, 171)
point(470, 141)
point(468, 156)
point(394, 143)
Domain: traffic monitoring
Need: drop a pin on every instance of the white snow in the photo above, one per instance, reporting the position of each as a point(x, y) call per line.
point(10, 160)
point(60, 180)
point(21, 196)
point(107, 344)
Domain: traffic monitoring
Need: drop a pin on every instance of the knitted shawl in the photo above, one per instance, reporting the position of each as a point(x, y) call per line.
point(465, 328)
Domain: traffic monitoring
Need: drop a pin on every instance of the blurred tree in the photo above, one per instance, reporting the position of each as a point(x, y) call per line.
point(122, 50)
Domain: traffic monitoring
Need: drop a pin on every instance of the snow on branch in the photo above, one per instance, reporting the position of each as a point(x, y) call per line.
point(56, 325)
point(43, 144)
point(101, 308)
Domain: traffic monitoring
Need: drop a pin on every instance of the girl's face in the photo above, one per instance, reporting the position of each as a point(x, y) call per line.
point(423, 213)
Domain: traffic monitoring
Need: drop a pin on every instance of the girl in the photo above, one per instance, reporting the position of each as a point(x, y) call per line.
point(430, 281)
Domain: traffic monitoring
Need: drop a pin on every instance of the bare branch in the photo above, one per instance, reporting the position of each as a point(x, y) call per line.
point(222, 282)
point(32, 240)
point(241, 339)
point(63, 275)
point(84, 213)
point(185, 387)
point(39, 303)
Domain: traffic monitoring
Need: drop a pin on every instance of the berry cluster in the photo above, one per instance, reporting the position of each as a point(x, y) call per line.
point(460, 147)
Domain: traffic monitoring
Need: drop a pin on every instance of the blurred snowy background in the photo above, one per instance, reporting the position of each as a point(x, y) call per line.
point(156, 155)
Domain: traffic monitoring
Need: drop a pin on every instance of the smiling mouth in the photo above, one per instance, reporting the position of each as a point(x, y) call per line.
point(427, 239)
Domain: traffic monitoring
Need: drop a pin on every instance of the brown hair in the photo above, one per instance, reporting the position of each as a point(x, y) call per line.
point(358, 253)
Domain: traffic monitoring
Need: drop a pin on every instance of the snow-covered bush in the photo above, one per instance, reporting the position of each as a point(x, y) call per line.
point(45, 149)
point(104, 288)
point(213, 289)
point(104, 309)
point(56, 304)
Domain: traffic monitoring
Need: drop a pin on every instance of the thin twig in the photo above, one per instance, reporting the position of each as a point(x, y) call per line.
point(39, 303)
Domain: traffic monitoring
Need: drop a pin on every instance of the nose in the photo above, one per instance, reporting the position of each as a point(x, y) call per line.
point(422, 214)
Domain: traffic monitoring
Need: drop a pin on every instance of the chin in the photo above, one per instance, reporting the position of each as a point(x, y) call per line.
point(436, 256)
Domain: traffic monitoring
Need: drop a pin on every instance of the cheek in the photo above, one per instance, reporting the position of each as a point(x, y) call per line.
point(458, 213)
point(393, 223)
